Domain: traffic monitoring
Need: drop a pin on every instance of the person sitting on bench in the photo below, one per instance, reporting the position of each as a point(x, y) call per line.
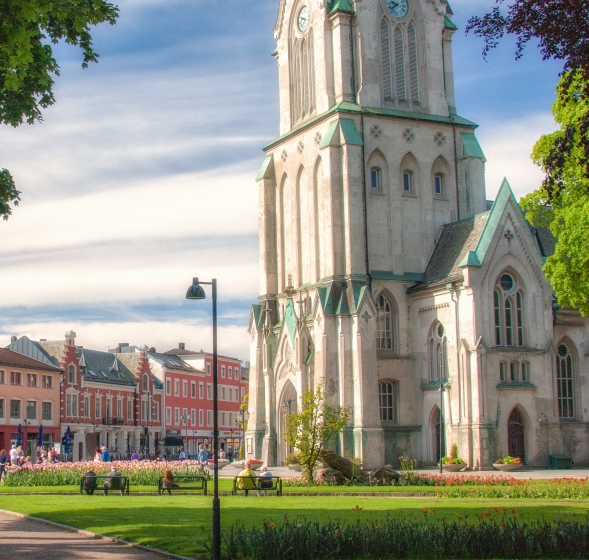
point(114, 481)
point(246, 484)
point(265, 482)
point(169, 483)
point(90, 483)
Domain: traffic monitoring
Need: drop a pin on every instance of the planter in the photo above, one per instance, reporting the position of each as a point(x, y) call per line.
point(454, 468)
point(222, 463)
point(255, 465)
point(508, 468)
point(297, 468)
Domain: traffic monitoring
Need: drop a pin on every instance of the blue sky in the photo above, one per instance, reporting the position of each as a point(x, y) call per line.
point(142, 175)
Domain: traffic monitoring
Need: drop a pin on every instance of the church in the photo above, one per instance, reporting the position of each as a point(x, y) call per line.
point(385, 274)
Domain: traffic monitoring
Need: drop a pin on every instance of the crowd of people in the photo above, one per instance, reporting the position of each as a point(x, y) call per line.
point(16, 458)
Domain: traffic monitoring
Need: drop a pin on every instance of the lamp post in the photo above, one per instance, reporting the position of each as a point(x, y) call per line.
point(197, 292)
point(442, 383)
point(286, 405)
point(244, 417)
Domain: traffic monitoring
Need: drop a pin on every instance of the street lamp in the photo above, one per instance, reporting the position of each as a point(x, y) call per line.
point(197, 292)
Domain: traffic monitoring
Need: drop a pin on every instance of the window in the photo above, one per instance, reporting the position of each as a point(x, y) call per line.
point(438, 184)
point(2, 379)
point(15, 409)
point(303, 75)
point(437, 353)
point(177, 387)
point(222, 419)
point(503, 371)
point(31, 410)
point(565, 382)
point(513, 372)
point(71, 373)
point(108, 408)
point(375, 179)
point(209, 418)
point(230, 373)
point(386, 393)
point(47, 410)
point(243, 393)
point(223, 393)
point(193, 418)
point(223, 372)
point(236, 373)
point(384, 328)
point(193, 389)
point(31, 380)
point(184, 417)
point(98, 407)
point(208, 369)
point(201, 391)
point(129, 410)
point(201, 417)
point(71, 405)
point(407, 182)
point(119, 409)
point(209, 391)
point(47, 382)
point(400, 65)
point(508, 303)
point(184, 388)
point(385, 53)
point(156, 412)
point(413, 63)
point(168, 386)
point(86, 407)
point(168, 415)
point(177, 416)
point(525, 372)
point(2, 408)
point(144, 410)
point(145, 383)
point(15, 378)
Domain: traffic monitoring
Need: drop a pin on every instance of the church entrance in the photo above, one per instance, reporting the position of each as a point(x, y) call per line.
point(287, 405)
point(438, 429)
point(516, 435)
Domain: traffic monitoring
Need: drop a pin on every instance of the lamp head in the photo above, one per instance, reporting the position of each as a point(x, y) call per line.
point(195, 291)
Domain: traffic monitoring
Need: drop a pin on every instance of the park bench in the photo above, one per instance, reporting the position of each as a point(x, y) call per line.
point(199, 484)
point(89, 483)
point(560, 462)
point(260, 483)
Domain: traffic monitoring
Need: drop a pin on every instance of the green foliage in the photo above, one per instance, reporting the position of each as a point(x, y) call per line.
point(27, 65)
point(495, 535)
point(453, 459)
point(310, 429)
point(407, 464)
point(8, 193)
point(562, 202)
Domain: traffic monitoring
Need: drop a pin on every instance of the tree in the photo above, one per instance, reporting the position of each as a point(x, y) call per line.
point(27, 65)
point(562, 202)
point(310, 429)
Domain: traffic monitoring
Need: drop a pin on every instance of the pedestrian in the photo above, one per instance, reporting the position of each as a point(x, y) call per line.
point(247, 479)
point(266, 482)
point(4, 460)
point(230, 456)
point(135, 455)
point(182, 455)
point(98, 455)
point(105, 455)
point(13, 455)
point(19, 452)
point(202, 455)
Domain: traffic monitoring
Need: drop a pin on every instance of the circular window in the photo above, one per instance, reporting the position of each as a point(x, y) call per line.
point(440, 330)
point(507, 282)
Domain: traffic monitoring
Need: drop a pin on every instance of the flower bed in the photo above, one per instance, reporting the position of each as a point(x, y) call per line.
point(140, 473)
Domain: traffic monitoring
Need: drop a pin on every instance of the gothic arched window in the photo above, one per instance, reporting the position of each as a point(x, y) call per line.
point(400, 64)
point(413, 68)
point(437, 353)
point(303, 76)
point(387, 394)
point(508, 305)
point(565, 382)
point(385, 48)
point(385, 336)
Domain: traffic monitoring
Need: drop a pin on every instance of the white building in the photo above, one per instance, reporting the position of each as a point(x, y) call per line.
point(384, 271)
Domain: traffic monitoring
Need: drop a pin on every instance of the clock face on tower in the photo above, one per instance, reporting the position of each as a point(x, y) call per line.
point(398, 8)
point(304, 17)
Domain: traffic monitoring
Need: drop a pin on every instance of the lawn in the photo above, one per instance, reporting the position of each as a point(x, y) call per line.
point(181, 524)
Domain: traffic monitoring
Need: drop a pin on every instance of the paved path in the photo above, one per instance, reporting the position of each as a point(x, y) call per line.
point(23, 538)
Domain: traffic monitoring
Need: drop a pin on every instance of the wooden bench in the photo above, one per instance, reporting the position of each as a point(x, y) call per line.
point(89, 484)
point(261, 483)
point(200, 484)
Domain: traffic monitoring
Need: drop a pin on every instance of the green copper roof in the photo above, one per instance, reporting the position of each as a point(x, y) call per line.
point(342, 131)
point(266, 169)
point(346, 107)
point(290, 320)
point(475, 258)
point(449, 24)
point(342, 6)
point(472, 148)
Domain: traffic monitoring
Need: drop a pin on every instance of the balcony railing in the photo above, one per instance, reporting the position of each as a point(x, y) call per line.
point(110, 421)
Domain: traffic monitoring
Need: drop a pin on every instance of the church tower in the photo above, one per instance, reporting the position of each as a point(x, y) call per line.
point(371, 162)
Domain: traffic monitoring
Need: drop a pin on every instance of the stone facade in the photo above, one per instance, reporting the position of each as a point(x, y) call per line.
point(384, 274)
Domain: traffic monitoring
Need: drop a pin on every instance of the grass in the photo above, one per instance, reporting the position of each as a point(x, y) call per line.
point(181, 524)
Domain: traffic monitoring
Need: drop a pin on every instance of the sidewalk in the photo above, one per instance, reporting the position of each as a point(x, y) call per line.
point(23, 538)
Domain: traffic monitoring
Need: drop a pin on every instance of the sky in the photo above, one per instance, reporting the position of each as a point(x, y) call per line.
point(142, 175)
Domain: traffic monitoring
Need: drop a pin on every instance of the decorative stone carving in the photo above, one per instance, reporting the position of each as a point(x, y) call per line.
point(318, 138)
point(366, 317)
point(283, 156)
point(301, 147)
point(440, 138)
point(408, 136)
point(375, 131)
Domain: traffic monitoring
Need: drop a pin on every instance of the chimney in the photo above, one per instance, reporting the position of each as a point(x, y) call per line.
point(182, 346)
point(152, 349)
point(42, 340)
point(143, 351)
point(13, 339)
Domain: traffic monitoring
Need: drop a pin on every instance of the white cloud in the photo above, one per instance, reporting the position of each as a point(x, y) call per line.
point(232, 340)
point(508, 146)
